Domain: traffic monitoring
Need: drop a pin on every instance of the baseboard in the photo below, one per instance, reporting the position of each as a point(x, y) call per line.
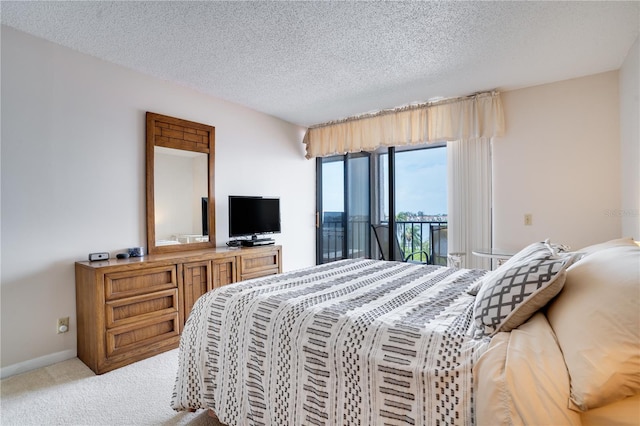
point(32, 364)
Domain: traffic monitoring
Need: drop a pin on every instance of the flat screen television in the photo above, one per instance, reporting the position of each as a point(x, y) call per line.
point(252, 216)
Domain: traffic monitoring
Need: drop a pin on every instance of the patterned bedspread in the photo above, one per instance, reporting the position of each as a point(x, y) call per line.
point(354, 342)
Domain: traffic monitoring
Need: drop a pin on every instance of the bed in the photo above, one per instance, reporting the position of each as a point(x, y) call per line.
point(388, 343)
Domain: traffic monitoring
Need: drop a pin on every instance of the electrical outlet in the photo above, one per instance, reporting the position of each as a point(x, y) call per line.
point(528, 219)
point(63, 325)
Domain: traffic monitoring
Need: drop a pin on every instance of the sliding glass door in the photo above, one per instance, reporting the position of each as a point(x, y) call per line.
point(404, 190)
point(343, 207)
point(419, 198)
point(413, 199)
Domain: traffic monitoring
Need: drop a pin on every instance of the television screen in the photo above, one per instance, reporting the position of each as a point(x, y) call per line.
point(253, 215)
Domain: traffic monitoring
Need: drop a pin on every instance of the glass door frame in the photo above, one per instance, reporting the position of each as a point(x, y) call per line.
point(346, 192)
point(387, 156)
point(376, 195)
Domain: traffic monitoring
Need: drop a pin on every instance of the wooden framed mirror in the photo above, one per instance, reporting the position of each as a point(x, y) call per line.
point(180, 185)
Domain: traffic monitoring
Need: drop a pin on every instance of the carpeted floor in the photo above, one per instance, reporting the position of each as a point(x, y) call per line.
point(69, 393)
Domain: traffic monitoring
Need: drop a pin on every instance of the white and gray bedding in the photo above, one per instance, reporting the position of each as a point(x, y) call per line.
point(351, 342)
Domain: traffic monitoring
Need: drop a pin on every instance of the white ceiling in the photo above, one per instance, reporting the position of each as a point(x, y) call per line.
point(310, 62)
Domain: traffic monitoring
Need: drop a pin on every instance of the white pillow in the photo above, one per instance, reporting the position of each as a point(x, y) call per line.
point(517, 289)
point(596, 318)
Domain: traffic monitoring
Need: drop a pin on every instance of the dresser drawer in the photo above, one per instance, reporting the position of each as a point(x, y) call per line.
point(141, 334)
point(138, 308)
point(259, 264)
point(130, 283)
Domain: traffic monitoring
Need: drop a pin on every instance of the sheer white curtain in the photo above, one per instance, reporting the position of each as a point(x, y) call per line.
point(469, 201)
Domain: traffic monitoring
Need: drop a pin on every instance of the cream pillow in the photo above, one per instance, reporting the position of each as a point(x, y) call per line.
point(515, 363)
point(596, 319)
point(628, 241)
point(621, 413)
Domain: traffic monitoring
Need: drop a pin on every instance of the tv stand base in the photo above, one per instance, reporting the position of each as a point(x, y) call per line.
point(258, 242)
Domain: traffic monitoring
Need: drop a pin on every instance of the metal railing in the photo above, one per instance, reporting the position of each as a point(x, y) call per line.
point(429, 236)
point(358, 239)
point(332, 241)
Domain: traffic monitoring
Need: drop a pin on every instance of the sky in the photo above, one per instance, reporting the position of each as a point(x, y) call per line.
point(421, 182)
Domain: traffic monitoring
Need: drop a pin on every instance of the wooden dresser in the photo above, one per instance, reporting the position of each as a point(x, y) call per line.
point(131, 309)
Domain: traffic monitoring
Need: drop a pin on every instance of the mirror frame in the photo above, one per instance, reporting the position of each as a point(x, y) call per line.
point(171, 132)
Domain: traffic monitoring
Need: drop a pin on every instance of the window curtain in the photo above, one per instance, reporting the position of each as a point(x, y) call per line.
point(469, 200)
point(466, 124)
point(475, 116)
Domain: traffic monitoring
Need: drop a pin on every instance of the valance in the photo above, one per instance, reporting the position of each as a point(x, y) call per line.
point(476, 116)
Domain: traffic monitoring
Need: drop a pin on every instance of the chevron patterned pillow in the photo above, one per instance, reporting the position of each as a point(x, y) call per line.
point(516, 290)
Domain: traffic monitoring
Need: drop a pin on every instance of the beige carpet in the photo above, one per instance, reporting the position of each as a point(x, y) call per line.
point(69, 393)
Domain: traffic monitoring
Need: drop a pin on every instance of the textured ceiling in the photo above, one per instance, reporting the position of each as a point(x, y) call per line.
point(310, 62)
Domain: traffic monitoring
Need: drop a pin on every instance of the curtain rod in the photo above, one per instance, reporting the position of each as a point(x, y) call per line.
point(404, 108)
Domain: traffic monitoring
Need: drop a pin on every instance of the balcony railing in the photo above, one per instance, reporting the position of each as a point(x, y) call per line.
point(427, 236)
point(413, 236)
point(358, 239)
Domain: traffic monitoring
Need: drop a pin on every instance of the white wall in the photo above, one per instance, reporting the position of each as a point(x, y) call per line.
point(630, 142)
point(560, 161)
point(73, 180)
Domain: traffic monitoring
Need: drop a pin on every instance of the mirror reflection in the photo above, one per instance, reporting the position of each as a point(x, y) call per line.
point(180, 194)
